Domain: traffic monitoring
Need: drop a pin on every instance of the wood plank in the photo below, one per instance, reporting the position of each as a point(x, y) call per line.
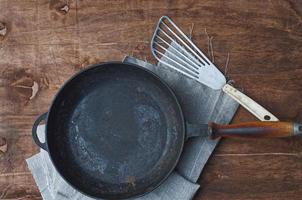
point(251, 177)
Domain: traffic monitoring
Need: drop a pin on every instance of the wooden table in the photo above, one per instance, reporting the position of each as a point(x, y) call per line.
point(47, 42)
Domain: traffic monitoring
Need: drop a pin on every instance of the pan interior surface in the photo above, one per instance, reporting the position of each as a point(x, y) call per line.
point(115, 131)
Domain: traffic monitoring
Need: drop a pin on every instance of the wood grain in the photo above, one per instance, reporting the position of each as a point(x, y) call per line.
point(44, 45)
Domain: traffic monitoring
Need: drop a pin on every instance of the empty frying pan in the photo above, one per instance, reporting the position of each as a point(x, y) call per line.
point(116, 131)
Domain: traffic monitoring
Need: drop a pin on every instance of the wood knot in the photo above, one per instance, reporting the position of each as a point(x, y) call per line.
point(3, 145)
point(3, 30)
point(59, 6)
point(22, 86)
point(64, 9)
point(84, 63)
point(140, 47)
point(26, 83)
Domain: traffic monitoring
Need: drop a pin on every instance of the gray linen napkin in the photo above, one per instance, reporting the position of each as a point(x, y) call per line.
point(200, 104)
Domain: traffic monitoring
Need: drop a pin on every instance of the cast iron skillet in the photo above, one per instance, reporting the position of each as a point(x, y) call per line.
point(116, 131)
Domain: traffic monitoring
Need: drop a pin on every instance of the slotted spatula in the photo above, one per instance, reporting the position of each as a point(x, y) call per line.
point(171, 47)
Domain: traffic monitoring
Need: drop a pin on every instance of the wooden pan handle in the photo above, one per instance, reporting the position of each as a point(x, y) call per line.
point(255, 129)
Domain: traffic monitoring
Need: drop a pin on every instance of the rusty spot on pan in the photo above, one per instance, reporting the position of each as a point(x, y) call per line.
point(131, 180)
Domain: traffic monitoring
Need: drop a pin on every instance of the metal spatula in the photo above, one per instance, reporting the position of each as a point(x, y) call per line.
point(173, 48)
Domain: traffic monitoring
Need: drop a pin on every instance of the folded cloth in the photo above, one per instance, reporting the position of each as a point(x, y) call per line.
point(53, 187)
point(199, 103)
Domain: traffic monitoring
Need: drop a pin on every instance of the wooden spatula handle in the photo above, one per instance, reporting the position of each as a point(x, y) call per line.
point(252, 106)
point(255, 129)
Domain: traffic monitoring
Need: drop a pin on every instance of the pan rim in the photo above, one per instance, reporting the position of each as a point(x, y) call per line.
point(181, 115)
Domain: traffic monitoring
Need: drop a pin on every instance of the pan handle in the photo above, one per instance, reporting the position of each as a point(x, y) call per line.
point(255, 130)
point(245, 130)
point(195, 130)
point(34, 131)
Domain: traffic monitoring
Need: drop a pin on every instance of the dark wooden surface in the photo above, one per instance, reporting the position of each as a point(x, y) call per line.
point(44, 45)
